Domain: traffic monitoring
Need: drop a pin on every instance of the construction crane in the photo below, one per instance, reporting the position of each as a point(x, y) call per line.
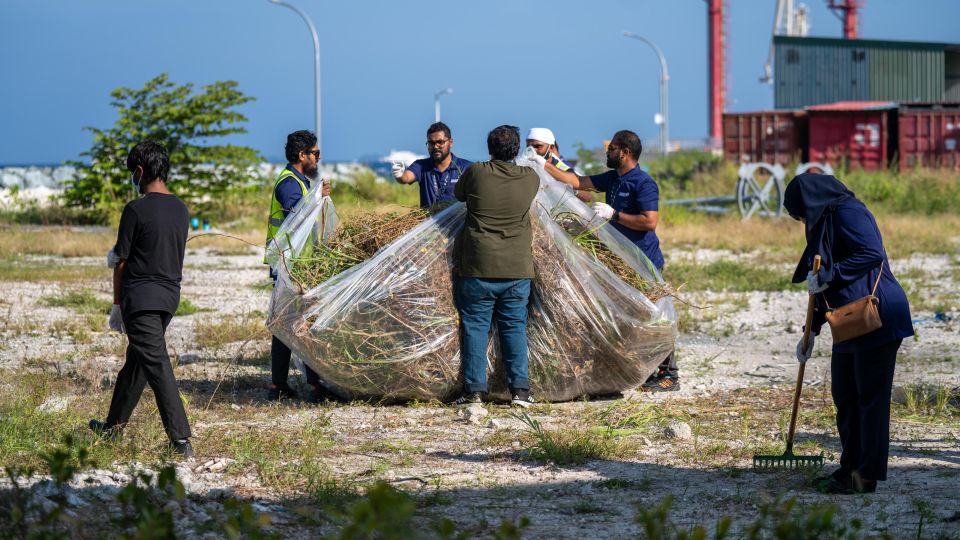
point(787, 21)
point(790, 21)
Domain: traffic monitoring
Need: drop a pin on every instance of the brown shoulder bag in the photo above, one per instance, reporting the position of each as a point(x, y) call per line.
point(857, 318)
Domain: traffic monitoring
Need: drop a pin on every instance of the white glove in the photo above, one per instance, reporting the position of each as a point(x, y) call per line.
point(603, 210)
point(398, 168)
point(531, 155)
point(802, 357)
point(112, 259)
point(814, 285)
point(116, 319)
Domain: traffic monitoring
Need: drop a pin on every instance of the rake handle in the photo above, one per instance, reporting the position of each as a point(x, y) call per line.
point(811, 303)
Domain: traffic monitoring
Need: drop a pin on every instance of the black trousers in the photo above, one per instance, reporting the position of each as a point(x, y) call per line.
point(280, 359)
point(280, 365)
point(148, 363)
point(862, 383)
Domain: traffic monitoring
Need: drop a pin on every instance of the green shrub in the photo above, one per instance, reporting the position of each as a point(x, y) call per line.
point(366, 187)
point(727, 275)
point(782, 520)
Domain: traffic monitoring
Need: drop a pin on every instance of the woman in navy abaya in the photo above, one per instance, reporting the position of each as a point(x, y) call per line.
point(844, 233)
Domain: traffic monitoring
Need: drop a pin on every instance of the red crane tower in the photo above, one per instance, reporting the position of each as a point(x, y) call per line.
point(717, 70)
point(846, 11)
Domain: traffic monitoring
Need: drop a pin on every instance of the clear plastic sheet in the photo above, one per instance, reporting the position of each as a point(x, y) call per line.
point(387, 328)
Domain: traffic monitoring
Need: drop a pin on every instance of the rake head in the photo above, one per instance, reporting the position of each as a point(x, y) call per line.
point(786, 461)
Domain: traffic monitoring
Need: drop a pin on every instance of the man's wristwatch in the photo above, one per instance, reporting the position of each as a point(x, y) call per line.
point(616, 216)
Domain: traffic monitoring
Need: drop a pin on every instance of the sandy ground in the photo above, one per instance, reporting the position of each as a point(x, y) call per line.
point(476, 473)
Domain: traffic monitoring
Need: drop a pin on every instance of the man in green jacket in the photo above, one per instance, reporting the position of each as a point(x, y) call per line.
point(495, 263)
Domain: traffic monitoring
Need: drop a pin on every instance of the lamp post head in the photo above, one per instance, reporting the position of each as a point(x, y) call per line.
point(444, 92)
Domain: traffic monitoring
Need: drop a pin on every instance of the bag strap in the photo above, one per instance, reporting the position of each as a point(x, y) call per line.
point(872, 293)
point(877, 284)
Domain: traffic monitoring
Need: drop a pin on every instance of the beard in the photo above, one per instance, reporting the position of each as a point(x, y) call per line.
point(614, 162)
point(311, 171)
point(439, 155)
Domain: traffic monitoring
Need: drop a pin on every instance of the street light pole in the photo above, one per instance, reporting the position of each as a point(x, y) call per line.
point(664, 77)
point(436, 102)
point(316, 62)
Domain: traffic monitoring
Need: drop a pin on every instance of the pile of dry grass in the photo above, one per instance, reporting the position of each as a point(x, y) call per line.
point(395, 333)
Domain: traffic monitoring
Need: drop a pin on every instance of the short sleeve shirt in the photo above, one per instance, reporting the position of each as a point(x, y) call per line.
point(436, 186)
point(152, 237)
point(633, 193)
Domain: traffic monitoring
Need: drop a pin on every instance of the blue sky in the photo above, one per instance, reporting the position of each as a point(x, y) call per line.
point(562, 64)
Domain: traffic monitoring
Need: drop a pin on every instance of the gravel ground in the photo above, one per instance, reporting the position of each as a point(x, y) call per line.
point(473, 470)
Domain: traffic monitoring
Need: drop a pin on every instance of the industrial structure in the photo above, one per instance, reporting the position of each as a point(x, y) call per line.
point(855, 102)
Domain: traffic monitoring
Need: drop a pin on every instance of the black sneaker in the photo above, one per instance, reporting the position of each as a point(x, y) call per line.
point(318, 394)
point(521, 398)
point(182, 447)
point(469, 398)
point(276, 393)
point(661, 382)
point(112, 434)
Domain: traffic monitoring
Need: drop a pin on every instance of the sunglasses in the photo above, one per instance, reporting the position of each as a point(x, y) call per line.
point(316, 153)
point(439, 142)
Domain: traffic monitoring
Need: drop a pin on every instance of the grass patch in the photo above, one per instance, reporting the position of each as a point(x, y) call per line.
point(57, 241)
point(81, 301)
point(903, 234)
point(231, 329)
point(733, 276)
point(85, 301)
point(935, 403)
point(16, 268)
point(218, 244)
point(186, 307)
point(571, 446)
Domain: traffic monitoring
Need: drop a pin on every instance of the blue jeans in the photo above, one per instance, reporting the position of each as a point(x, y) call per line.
point(505, 301)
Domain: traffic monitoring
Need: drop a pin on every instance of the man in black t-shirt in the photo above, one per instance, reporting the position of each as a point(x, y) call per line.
point(146, 292)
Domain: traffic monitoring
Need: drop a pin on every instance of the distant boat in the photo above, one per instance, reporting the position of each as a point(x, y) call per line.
point(404, 156)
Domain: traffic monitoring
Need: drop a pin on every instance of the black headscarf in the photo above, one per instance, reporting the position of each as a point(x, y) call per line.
point(814, 197)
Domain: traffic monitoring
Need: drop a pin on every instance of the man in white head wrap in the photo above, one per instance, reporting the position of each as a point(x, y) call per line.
point(544, 143)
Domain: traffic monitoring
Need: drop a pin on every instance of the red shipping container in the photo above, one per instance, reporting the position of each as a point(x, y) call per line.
point(855, 133)
point(769, 136)
point(929, 138)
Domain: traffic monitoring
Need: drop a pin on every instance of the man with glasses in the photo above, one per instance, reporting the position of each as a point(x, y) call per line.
point(632, 207)
point(303, 156)
point(437, 174)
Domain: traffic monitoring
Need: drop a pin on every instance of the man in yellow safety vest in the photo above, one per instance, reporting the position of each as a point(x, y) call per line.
point(291, 185)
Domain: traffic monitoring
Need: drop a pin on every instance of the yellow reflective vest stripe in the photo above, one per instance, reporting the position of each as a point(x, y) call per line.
point(276, 217)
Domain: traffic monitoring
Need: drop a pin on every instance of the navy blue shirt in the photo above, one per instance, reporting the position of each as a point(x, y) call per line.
point(436, 186)
point(850, 270)
point(633, 193)
point(289, 192)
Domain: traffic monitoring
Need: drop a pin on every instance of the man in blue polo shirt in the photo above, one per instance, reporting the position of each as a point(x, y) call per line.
point(437, 174)
point(632, 207)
